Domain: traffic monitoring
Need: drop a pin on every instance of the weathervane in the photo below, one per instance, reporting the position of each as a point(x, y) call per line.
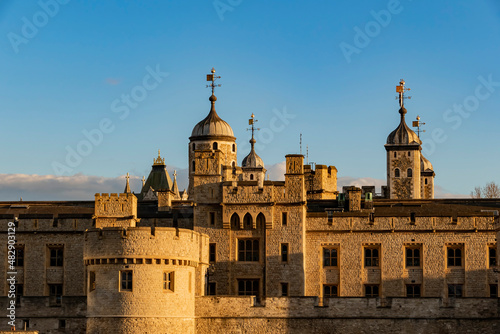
point(212, 77)
point(251, 122)
point(417, 124)
point(401, 90)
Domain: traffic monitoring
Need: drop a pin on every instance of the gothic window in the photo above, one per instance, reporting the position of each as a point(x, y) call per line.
point(371, 290)
point(413, 256)
point(330, 290)
point(248, 250)
point(413, 290)
point(371, 257)
point(330, 257)
point(247, 221)
point(409, 172)
point(235, 221)
point(261, 221)
point(454, 254)
point(214, 145)
point(396, 172)
point(454, 290)
point(126, 280)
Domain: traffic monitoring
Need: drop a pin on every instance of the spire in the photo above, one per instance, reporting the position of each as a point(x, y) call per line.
point(143, 180)
point(252, 159)
point(158, 161)
point(403, 135)
point(175, 188)
point(127, 186)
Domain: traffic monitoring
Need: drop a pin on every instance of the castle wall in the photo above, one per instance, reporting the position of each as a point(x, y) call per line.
point(346, 315)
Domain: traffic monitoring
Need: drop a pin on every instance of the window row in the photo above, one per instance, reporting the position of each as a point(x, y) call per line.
point(55, 256)
point(127, 280)
point(413, 256)
point(248, 251)
point(397, 172)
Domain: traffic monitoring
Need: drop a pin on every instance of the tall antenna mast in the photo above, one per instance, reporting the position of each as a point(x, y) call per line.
point(307, 155)
point(300, 143)
point(417, 124)
point(401, 90)
point(212, 77)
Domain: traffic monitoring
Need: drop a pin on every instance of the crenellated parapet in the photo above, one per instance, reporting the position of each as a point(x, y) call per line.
point(321, 183)
point(115, 210)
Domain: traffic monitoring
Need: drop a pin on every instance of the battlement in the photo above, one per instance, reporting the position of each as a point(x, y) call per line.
point(115, 210)
point(321, 183)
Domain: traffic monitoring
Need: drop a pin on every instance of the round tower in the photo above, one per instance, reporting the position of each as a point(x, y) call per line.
point(142, 279)
point(212, 143)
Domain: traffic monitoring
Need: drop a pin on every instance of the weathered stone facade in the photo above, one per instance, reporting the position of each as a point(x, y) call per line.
point(245, 254)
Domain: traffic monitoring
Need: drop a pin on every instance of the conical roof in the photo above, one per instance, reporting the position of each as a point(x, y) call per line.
point(158, 178)
point(212, 125)
point(252, 159)
point(403, 135)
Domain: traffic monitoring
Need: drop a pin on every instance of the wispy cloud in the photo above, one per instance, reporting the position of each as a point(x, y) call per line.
point(113, 81)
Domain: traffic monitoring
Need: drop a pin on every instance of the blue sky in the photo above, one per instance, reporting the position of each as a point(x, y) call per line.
point(67, 65)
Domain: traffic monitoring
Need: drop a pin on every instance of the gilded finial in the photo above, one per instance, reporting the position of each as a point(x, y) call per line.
point(401, 91)
point(212, 77)
point(159, 160)
point(251, 122)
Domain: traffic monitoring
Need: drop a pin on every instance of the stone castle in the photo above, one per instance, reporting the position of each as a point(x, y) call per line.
point(237, 253)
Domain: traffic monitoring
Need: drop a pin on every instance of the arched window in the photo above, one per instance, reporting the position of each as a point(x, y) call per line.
point(235, 221)
point(248, 221)
point(409, 172)
point(234, 147)
point(214, 145)
point(192, 165)
point(261, 221)
point(251, 176)
point(425, 180)
point(396, 172)
point(194, 146)
point(233, 164)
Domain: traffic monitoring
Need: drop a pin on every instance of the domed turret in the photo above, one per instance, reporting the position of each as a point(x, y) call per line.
point(403, 135)
point(212, 125)
point(252, 159)
point(425, 165)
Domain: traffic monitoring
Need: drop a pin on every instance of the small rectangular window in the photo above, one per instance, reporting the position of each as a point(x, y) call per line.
point(284, 289)
point(91, 281)
point(168, 281)
point(371, 257)
point(212, 289)
point(126, 280)
point(371, 290)
point(248, 287)
point(493, 290)
point(19, 256)
point(413, 290)
point(284, 218)
point(212, 218)
point(35, 223)
point(248, 250)
point(212, 250)
point(55, 294)
point(62, 323)
point(55, 222)
point(454, 290)
point(413, 256)
point(19, 293)
point(330, 290)
point(492, 256)
point(454, 256)
point(284, 252)
point(56, 254)
point(330, 257)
